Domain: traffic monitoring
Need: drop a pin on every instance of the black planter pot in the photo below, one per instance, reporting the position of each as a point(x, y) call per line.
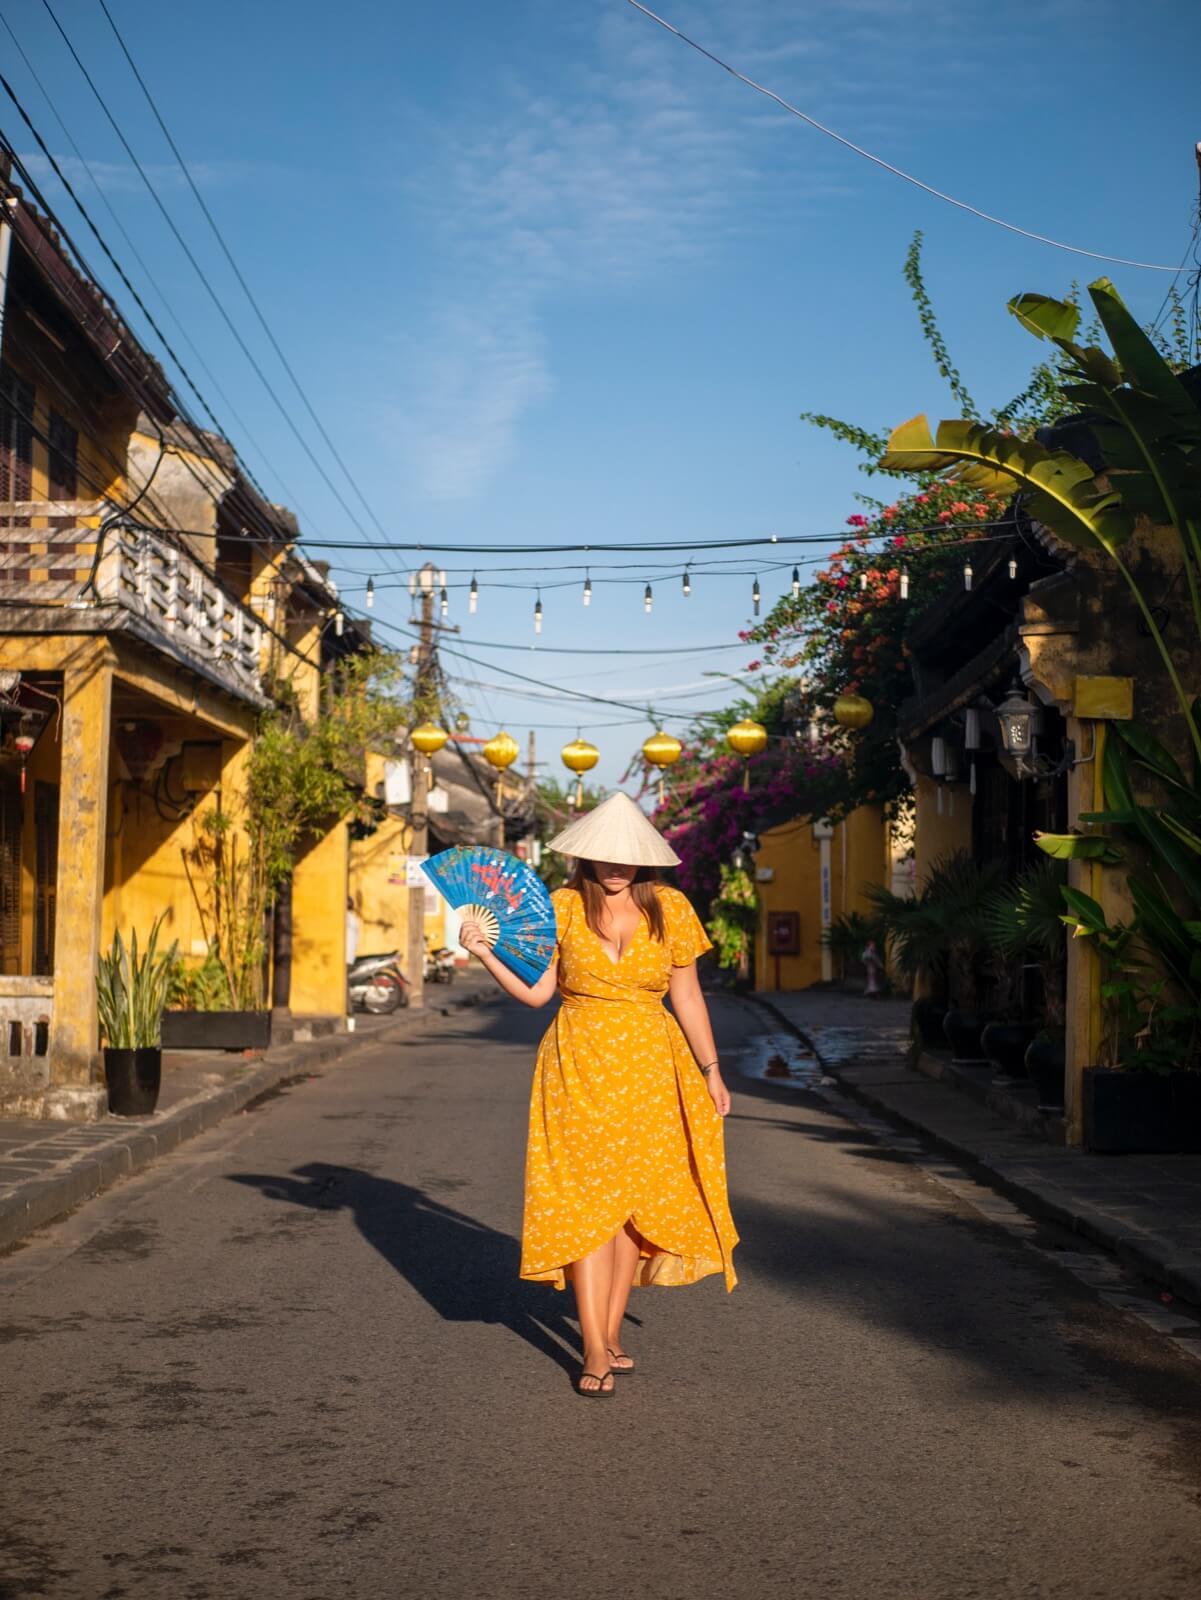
point(963, 1030)
point(133, 1078)
point(1046, 1064)
point(1128, 1111)
point(216, 1030)
point(926, 1022)
point(1150, 1112)
point(1005, 1044)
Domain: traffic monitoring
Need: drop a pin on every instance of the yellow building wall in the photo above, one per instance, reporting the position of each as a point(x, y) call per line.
point(320, 887)
point(377, 887)
point(939, 833)
point(859, 857)
point(795, 862)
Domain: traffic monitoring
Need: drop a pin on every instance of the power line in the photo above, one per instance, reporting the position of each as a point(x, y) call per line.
point(237, 272)
point(137, 256)
point(887, 166)
point(200, 273)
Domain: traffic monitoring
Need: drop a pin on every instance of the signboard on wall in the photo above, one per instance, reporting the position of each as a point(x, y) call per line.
point(783, 933)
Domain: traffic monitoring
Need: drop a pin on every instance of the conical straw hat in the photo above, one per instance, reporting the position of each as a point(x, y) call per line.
point(619, 831)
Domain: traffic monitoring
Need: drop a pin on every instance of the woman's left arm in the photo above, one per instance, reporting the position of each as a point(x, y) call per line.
point(691, 1012)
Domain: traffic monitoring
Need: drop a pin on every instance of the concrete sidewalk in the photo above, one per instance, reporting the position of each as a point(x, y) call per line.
point(1146, 1208)
point(49, 1168)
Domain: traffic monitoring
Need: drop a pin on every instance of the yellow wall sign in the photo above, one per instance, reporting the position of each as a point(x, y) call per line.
point(1104, 698)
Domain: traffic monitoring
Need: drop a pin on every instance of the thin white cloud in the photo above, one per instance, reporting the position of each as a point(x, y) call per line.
point(121, 177)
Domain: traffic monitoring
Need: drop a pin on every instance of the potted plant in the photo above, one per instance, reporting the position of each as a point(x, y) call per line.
point(131, 995)
point(914, 938)
point(1026, 920)
point(201, 1015)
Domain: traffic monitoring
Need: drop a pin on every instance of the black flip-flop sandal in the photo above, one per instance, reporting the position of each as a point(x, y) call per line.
point(598, 1393)
point(614, 1356)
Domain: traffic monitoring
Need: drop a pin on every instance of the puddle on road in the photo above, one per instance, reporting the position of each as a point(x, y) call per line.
point(779, 1058)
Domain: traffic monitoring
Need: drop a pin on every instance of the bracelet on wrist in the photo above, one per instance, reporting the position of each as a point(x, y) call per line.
point(708, 1068)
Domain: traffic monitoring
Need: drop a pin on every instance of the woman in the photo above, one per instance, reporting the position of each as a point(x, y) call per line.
point(625, 1171)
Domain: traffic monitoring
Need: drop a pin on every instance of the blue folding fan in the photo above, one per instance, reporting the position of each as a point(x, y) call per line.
point(506, 897)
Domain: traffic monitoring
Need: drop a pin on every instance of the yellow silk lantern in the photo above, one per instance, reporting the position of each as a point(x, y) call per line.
point(500, 752)
point(853, 711)
point(428, 738)
point(661, 751)
point(747, 738)
point(579, 757)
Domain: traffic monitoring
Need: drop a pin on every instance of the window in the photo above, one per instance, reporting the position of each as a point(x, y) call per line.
point(64, 449)
point(16, 442)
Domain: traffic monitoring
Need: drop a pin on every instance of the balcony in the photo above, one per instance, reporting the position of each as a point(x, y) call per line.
point(143, 585)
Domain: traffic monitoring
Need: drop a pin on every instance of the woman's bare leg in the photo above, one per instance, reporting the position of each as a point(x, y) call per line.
point(592, 1279)
point(625, 1265)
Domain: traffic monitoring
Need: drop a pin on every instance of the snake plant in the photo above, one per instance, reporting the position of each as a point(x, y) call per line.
point(132, 989)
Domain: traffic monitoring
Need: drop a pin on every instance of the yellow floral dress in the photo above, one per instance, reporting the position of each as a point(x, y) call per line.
point(622, 1126)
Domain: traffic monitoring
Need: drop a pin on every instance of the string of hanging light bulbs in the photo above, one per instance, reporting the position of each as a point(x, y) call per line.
point(474, 588)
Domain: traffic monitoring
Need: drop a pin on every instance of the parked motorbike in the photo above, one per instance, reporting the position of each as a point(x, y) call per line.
point(440, 965)
point(377, 985)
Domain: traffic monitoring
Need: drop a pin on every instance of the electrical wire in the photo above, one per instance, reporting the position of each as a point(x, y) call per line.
point(887, 166)
point(137, 256)
point(218, 303)
point(237, 272)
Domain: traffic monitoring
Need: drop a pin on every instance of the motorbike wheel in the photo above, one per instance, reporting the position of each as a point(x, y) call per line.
point(384, 994)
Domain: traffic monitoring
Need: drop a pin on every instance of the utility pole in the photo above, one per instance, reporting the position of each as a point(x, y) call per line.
point(419, 844)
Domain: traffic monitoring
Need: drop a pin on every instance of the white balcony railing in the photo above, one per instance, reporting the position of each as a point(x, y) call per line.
point(173, 596)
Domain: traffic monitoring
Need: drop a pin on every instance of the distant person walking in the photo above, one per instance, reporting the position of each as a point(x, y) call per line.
point(625, 1165)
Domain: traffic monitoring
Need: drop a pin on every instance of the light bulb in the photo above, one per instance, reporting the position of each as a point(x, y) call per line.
point(863, 580)
point(587, 591)
point(538, 615)
point(967, 575)
point(687, 585)
point(648, 599)
point(1013, 567)
point(339, 620)
point(796, 583)
point(370, 593)
point(755, 596)
point(905, 584)
point(444, 601)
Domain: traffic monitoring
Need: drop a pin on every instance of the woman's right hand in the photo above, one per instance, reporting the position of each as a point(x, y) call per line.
point(471, 937)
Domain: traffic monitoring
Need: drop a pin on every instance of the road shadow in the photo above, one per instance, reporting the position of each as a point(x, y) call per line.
point(462, 1268)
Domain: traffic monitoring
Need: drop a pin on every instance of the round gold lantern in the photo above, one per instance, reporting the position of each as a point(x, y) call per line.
point(747, 738)
point(428, 738)
point(661, 751)
point(579, 757)
point(853, 711)
point(500, 752)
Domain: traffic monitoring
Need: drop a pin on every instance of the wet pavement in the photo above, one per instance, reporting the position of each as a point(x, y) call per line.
point(294, 1358)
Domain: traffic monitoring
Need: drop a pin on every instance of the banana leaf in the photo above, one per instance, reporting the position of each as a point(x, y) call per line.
point(1079, 847)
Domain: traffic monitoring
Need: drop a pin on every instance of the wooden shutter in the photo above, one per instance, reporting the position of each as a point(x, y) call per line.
point(10, 875)
point(45, 824)
point(64, 450)
point(16, 442)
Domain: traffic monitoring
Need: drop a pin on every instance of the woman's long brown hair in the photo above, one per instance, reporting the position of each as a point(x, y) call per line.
point(642, 892)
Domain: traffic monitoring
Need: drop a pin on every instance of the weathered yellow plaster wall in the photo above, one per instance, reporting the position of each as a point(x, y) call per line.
point(377, 887)
point(320, 887)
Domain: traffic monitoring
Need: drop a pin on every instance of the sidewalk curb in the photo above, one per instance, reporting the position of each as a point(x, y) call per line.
point(41, 1200)
point(1148, 1253)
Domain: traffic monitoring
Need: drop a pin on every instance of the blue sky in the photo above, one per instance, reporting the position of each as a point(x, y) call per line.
point(547, 274)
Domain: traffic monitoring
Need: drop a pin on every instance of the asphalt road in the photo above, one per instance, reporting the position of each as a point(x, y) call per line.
point(294, 1360)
